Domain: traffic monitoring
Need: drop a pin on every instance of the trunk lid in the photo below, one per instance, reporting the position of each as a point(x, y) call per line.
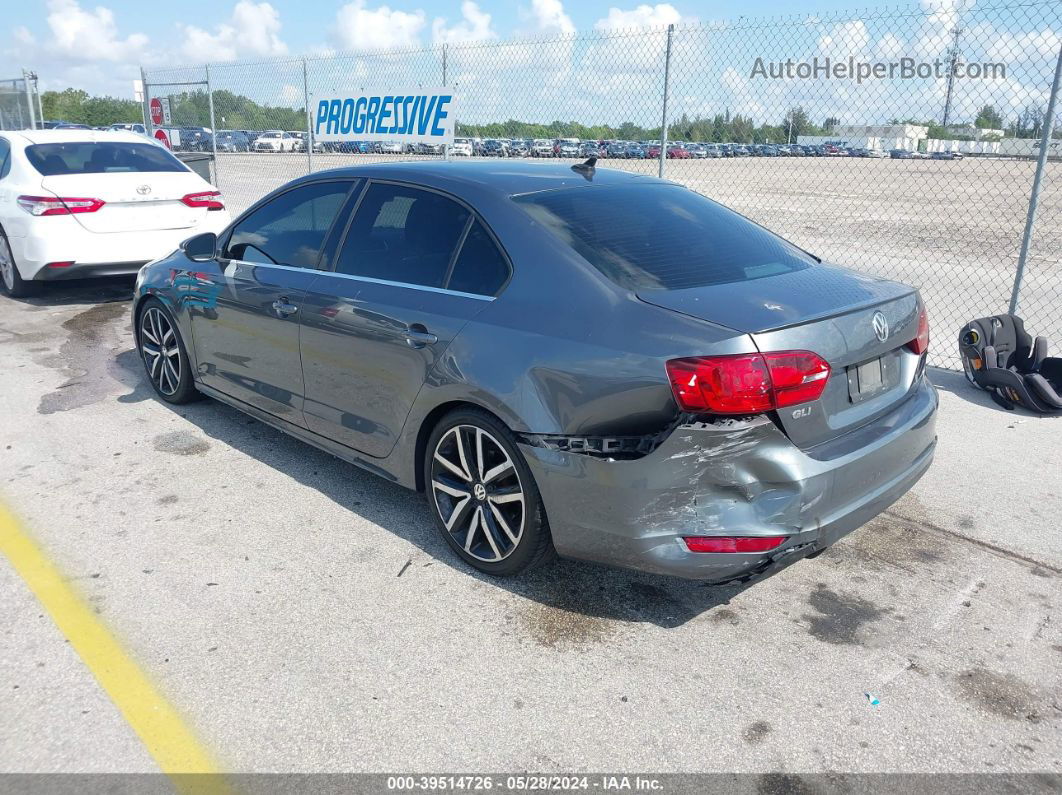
point(134, 201)
point(830, 311)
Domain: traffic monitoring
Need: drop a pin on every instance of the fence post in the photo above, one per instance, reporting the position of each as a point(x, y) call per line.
point(446, 147)
point(663, 121)
point(147, 103)
point(1034, 198)
point(29, 102)
point(40, 105)
point(213, 129)
point(309, 119)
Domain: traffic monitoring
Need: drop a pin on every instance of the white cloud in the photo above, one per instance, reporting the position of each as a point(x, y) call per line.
point(1008, 47)
point(359, 28)
point(889, 46)
point(844, 39)
point(548, 16)
point(23, 36)
point(253, 29)
point(644, 16)
point(474, 26)
point(82, 35)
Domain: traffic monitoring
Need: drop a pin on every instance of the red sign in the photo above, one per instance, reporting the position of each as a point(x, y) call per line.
point(156, 110)
point(163, 138)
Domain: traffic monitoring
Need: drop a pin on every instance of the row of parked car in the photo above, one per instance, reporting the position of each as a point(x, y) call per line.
point(647, 150)
point(201, 139)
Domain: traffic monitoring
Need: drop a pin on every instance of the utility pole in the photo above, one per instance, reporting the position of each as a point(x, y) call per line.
point(953, 62)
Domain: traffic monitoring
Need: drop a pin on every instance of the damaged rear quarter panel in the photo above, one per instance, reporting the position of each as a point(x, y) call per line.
point(705, 477)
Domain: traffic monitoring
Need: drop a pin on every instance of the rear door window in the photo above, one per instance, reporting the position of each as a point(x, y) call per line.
point(403, 234)
point(90, 157)
point(290, 229)
point(662, 237)
point(480, 267)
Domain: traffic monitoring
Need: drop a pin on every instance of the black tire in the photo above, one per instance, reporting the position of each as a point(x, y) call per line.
point(534, 546)
point(11, 282)
point(176, 390)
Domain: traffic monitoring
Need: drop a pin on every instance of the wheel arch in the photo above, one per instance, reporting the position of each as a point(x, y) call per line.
point(430, 422)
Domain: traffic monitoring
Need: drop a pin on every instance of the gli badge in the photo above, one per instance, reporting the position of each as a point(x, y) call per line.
point(802, 412)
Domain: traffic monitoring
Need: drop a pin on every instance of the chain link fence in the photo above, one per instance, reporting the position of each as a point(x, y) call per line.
point(905, 143)
point(18, 104)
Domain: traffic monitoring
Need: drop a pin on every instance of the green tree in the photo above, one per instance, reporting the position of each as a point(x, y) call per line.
point(988, 119)
point(75, 105)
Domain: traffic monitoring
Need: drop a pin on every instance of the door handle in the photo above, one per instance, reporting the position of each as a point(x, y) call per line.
point(283, 308)
point(417, 336)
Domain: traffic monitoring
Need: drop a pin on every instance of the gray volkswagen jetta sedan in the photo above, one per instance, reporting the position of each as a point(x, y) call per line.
point(572, 361)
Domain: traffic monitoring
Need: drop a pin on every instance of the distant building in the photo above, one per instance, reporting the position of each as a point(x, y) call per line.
point(872, 136)
point(973, 133)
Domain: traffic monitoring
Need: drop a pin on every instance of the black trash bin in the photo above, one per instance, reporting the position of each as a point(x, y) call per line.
point(199, 162)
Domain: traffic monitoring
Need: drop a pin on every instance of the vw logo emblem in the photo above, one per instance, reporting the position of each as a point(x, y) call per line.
point(479, 492)
point(881, 326)
point(144, 190)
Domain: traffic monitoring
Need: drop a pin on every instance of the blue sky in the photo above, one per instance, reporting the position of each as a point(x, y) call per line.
point(99, 46)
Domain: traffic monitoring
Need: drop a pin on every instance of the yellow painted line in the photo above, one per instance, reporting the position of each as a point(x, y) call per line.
point(169, 741)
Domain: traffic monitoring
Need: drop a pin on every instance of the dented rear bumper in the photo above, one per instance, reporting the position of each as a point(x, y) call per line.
point(732, 477)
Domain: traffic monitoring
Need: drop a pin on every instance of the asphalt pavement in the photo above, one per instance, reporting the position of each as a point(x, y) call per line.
point(302, 615)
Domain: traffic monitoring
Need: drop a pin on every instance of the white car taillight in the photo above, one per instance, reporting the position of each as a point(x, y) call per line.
point(54, 205)
point(210, 199)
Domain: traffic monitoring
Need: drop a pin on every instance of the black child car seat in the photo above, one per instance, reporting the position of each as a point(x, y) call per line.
point(1000, 356)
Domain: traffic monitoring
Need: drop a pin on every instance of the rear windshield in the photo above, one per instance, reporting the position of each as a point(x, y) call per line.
point(89, 157)
point(662, 237)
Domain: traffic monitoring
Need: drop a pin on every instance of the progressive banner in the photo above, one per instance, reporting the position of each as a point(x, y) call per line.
point(418, 116)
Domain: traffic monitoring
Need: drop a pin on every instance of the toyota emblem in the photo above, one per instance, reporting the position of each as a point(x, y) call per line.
point(144, 190)
point(881, 326)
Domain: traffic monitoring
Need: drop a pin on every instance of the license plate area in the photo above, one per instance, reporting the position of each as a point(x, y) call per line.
point(872, 377)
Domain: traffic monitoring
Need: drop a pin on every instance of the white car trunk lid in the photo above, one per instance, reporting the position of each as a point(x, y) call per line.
point(134, 201)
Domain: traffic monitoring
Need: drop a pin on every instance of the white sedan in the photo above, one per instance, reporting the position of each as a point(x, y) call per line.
point(82, 203)
point(275, 141)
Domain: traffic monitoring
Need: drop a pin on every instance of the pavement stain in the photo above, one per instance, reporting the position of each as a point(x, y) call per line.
point(85, 359)
point(888, 543)
point(783, 784)
point(724, 615)
point(180, 443)
point(755, 733)
point(840, 618)
point(1004, 695)
point(555, 627)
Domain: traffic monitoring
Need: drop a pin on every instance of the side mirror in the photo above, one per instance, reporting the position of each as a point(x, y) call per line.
point(201, 247)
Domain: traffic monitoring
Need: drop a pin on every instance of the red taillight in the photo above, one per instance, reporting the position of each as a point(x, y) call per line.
point(749, 383)
point(733, 543)
point(210, 199)
point(55, 205)
point(60, 264)
point(921, 341)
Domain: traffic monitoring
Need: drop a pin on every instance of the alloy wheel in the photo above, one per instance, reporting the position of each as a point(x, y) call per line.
point(7, 264)
point(161, 350)
point(478, 493)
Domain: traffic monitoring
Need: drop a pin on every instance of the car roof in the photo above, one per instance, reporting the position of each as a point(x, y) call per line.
point(507, 179)
point(74, 136)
